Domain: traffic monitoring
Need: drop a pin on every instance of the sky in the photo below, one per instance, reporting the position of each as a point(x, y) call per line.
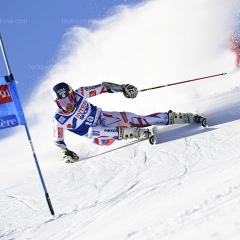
point(33, 31)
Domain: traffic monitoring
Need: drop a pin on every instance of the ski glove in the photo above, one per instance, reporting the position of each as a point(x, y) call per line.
point(129, 91)
point(69, 156)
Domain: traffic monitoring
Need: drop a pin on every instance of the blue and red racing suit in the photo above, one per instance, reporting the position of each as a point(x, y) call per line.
point(100, 126)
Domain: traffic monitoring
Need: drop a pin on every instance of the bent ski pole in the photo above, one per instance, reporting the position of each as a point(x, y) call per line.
point(191, 80)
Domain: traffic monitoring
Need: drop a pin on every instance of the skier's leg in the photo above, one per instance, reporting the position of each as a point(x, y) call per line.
point(238, 59)
point(128, 119)
point(103, 142)
point(105, 136)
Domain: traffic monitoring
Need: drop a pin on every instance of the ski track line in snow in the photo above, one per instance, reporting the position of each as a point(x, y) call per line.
point(94, 212)
point(205, 208)
point(22, 201)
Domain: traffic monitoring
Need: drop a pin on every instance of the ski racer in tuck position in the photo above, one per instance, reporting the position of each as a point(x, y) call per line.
point(76, 114)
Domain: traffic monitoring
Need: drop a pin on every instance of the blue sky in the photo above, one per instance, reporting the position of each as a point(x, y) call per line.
point(32, 32)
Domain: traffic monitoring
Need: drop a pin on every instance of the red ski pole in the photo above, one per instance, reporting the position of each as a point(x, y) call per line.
point(186, 81)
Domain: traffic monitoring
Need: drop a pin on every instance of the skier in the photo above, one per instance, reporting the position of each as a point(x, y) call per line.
point(76, 114)
point(234, 42)
point(234, 46)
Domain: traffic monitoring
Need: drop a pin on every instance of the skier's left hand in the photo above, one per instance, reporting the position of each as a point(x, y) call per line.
point(70, 156)
point(129, 91)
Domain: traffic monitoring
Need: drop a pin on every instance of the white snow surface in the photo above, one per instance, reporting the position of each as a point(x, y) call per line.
point(187, 186)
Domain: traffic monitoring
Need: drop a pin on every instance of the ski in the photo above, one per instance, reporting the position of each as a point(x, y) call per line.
point(197, 119)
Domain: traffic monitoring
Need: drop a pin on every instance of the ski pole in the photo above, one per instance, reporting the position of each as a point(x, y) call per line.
point(27, 130)
point(186, 81)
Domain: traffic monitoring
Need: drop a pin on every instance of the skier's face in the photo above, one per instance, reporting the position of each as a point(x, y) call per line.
point(69, 107)
point(67, 103)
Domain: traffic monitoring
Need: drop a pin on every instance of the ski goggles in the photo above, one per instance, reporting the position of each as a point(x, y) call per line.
point(63, 102)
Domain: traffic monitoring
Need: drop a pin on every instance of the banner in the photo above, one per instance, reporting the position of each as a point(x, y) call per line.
point(11, 113)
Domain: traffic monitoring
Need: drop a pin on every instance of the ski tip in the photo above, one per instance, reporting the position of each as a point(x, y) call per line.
point(151, 140)
point(204, 122)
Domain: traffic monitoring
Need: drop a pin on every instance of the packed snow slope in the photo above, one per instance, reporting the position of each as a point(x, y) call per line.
point(187, 186)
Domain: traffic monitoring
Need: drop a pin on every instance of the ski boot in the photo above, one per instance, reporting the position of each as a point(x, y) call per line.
point(130, 133)
point(181, 118)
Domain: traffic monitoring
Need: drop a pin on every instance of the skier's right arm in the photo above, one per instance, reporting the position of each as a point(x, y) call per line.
point(58, 140)
point(128, 90)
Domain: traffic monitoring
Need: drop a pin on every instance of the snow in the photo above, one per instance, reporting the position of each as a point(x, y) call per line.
point(187, 186)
